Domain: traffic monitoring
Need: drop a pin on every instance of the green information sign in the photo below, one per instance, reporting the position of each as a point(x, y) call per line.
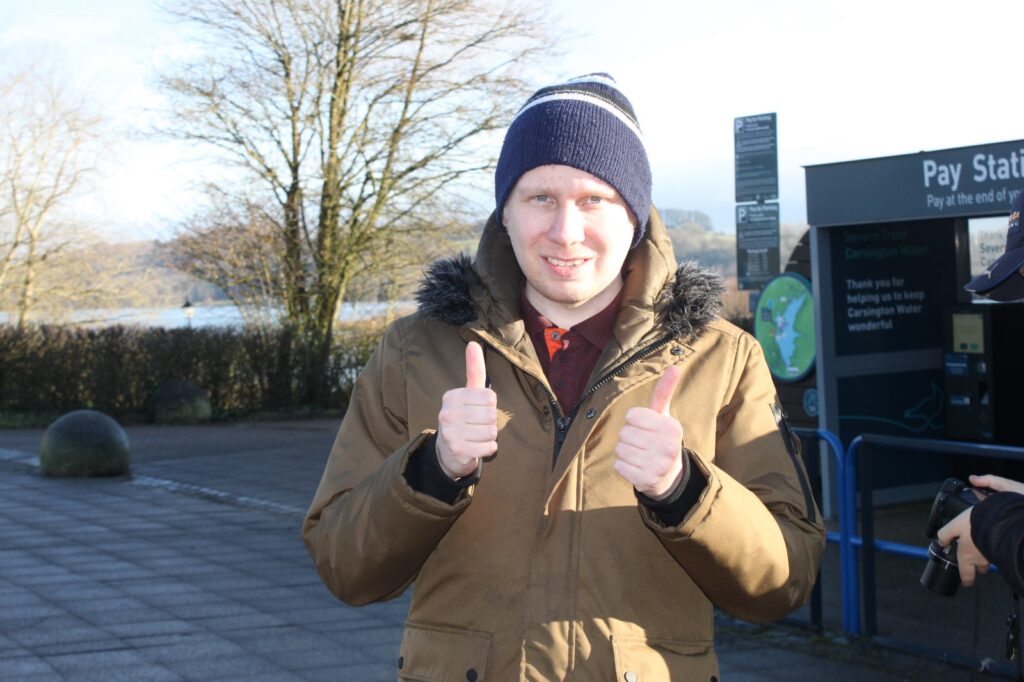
point(784, 326)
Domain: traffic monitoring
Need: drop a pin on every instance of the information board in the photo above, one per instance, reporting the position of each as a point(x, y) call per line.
point(755, 145)
point(886, 295)
point(757, 245)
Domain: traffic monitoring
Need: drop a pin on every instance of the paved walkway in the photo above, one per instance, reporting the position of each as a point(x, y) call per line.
point(192, 569)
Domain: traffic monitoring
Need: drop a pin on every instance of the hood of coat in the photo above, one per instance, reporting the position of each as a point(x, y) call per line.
point(681, 299)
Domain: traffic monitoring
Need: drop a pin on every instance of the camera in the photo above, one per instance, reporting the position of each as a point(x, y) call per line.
point(941, 574)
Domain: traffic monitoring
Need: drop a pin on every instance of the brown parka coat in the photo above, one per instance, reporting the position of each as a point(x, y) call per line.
point(542, 572)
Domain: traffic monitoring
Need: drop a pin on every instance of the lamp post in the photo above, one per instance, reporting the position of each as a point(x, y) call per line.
point(189, 311)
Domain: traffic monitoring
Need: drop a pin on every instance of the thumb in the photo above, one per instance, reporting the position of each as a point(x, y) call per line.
point(476, 370)
point(665, 388)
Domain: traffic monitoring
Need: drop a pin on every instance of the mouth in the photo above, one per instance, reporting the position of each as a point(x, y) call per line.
point(565, 262)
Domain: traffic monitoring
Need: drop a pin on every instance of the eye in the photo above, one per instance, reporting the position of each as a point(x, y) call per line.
point(541, 198)
point(595, 199)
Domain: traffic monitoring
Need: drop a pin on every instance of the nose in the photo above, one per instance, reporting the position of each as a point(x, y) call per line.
point(567, 224)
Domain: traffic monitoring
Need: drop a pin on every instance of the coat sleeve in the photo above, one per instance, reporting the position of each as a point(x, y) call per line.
point(997, 529)
point(754, 539)
point(367, 530)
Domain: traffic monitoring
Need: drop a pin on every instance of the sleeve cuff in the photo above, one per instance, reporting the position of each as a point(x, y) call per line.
point(425, 475)
point(996, 531)
point(673, 509)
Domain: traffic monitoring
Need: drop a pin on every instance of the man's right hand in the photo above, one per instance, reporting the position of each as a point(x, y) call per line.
point(970, 561)
point(467, 425)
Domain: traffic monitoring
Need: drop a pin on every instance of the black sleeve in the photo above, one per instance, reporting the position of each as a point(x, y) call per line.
point(997, 528)
point(673, 509)
point(425, 475)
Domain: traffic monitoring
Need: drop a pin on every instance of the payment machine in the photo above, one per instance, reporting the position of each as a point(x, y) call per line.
point(984, 372)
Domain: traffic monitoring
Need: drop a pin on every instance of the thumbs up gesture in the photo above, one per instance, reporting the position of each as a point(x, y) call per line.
point(467, 425)
point(650, 450)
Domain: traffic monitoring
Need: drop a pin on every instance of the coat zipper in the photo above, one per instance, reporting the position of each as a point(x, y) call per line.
point(562, 423)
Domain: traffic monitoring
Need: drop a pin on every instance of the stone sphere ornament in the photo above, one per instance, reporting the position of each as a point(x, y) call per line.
point(84, 443)
point(179, 402)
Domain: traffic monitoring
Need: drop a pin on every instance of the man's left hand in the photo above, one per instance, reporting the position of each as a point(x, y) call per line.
point(650, 448)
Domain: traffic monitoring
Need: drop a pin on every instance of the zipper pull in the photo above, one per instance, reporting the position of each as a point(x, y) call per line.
point(562, 424)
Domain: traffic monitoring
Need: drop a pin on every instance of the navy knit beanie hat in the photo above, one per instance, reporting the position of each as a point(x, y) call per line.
point(586, 123)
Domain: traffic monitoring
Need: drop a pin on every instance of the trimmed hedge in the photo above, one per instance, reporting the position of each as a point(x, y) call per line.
point(117, 369)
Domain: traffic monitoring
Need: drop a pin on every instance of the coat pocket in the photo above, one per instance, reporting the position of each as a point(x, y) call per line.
point(643, 659)
point(437, 654)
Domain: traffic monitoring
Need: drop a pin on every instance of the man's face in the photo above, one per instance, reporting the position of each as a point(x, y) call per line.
point(570, 232)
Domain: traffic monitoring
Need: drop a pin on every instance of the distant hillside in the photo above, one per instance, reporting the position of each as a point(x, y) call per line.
point(109, 275)
point(694, 238)
point(150, 271)
point(673, 217)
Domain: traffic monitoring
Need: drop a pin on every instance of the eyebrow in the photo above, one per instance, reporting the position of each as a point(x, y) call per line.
point(595, 190)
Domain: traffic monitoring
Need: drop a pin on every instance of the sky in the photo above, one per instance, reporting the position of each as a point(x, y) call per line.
point(846, 80)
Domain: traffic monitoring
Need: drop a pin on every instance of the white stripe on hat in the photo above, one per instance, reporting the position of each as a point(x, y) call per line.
point(589, 99)
point(595, 78)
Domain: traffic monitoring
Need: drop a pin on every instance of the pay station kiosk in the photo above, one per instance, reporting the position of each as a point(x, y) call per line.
point(984, 371)
point(890, 255)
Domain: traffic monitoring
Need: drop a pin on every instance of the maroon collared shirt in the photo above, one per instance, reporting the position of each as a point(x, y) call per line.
point(568, 356)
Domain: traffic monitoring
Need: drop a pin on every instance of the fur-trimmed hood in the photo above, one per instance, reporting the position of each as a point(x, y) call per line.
point(686, 305)
point(444, 292)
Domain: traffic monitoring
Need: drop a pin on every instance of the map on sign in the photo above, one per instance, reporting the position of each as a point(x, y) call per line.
point(784, 326)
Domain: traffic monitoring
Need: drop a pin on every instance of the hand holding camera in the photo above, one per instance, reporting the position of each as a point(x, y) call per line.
point(956, 537)
point(952, 556)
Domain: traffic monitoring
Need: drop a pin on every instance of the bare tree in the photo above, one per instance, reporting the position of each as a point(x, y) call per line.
point(46, 152)
point(235, 245)
point(354, 116)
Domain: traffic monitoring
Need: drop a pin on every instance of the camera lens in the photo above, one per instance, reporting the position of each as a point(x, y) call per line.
point(941, 574)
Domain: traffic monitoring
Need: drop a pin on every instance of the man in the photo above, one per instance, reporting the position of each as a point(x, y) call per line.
point(565, 450)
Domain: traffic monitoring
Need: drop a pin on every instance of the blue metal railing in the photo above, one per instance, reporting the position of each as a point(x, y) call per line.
point(847, 559)
point(855, 598)
point(860, 449)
